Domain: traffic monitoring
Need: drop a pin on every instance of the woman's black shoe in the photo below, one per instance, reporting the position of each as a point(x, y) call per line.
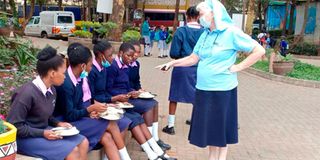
point(163, 145)
point(169, 130)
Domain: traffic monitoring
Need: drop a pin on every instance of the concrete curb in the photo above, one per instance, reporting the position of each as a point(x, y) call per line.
point(278, 78)
point(307, 57)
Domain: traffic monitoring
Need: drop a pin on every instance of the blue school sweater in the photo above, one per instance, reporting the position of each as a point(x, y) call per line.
point(69, 101)
point(184, 40)
point(98, 85)
point(118, 80)
point(134, 76)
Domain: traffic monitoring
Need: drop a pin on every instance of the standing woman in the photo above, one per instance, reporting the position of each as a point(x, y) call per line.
point(183, 79)
point(214, 117)
point(31, 112)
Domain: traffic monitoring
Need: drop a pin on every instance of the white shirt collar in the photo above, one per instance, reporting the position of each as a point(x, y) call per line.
point(41, 86)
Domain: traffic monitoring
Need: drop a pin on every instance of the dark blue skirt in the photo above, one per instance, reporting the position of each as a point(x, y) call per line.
point(136, 118)
point(47, 149)
point(143, 105)
point(123, 123)
point(214, 118)
point(183, 82)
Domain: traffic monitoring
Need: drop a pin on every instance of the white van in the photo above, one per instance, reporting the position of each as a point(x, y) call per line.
point(51, 24)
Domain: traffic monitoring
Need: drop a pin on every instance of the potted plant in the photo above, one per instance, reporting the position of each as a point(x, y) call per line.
point(283, 65)
point(83, 37)
point(4, 29)
point(8, 144)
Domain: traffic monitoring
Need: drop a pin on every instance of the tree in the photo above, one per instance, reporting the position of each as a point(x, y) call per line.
point(293, 7)
point(29, 15)
point(260, 13)
point(89, 10)
point(4, 5)
point(250, 17)
point(60, 5)
point(244, 4)
point(117, 17)
point(305, 20)
point(284, 29)
point(175, 24)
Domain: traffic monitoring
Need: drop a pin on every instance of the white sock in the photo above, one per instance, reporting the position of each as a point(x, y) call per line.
point(124, 155)
point(155, 126)
point(151, 155)
point(171, 119)
point(156, 148)
point(150, 130)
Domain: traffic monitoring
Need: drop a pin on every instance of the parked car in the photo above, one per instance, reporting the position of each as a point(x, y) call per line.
point(51, 24)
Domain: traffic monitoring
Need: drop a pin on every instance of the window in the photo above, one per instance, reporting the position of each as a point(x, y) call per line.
point(31, 21)
point(36, 21)
point(64, 19)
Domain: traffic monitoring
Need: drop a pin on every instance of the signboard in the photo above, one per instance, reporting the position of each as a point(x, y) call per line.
point(105, 6)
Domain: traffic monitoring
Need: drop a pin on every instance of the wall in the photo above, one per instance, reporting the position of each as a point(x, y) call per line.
point(312, 32)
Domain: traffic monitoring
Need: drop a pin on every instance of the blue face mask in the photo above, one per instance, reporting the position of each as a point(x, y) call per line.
point(84, 74)
point(204, 22)
point(105, 64)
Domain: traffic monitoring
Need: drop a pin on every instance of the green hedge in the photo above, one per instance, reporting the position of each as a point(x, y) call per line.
point(305, 48)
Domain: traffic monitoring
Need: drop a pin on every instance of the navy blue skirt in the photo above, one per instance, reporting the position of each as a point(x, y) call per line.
point(183, 82)
point(143, 105)
point(214, 119)
point(136, 118)
point(48, 149)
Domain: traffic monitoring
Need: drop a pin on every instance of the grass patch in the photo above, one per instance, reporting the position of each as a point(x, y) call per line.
point(300, 71)
point(305, 71)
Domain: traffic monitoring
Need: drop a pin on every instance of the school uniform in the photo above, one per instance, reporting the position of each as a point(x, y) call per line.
point(31, 113)
point(118, 83)
point(70, 107)
point(134, 75)
point(96, 90)
point(183, 79)
point(162, 43)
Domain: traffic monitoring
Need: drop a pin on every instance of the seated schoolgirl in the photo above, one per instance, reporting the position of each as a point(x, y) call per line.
point(118, 83)
point(97, 78)
point(71, 107)
point(31, 113)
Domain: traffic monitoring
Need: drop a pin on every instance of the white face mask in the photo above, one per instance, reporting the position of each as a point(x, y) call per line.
point(204, 22)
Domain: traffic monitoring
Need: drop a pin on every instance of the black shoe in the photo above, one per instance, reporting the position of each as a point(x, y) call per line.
point(164, 158)
point(188, 122)
point(169, 130)
point(163, 145)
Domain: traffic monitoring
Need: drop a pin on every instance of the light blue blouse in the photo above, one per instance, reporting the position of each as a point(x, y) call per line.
point(217, 51)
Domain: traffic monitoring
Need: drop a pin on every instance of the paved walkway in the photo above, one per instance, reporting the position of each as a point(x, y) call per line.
point(278, 121)
point(315, 62)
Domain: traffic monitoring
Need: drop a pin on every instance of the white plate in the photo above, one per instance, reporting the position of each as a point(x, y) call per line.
point(62, 131)
point(125, 105)
point(111, 117)
point(146, 95)
point(113, 110)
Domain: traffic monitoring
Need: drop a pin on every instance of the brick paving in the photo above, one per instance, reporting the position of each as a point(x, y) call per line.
point(277, 121)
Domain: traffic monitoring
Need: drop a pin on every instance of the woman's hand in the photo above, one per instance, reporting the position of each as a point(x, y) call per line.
point(164, 67)
point(94, 115)
point(134, 94)
point(64, 124)
point(51, 135)
point(97, 107)
point(235, 68)
point(121, 98)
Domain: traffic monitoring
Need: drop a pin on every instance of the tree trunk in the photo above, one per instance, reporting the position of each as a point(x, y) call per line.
point(176, 21)
point(117, 17)
point(293, 7)
point(4, 5)
point(250, 17)
point(284, 29)
point(143, 16)
point(244, 4)
point(89, 15)
point(25, 10)
point(260, 14)
point(60, 5)
point(13, 8)
point(305, 20)
point(29, 15)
